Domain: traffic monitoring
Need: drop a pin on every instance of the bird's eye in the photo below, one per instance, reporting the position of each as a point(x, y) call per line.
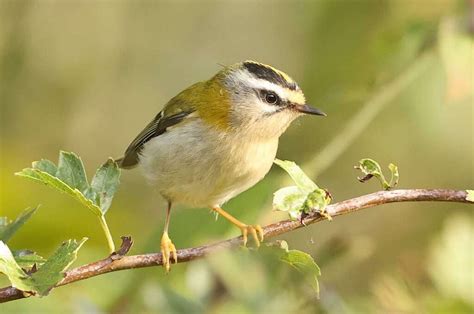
point(271, 98)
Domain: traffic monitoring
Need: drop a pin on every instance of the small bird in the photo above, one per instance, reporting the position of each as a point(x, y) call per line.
point(216, 139)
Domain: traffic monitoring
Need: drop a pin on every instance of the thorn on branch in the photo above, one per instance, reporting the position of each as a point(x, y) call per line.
point(125, 247)
point(302, 217)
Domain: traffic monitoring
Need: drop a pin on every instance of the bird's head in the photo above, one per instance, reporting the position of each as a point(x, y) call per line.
point(259, 99)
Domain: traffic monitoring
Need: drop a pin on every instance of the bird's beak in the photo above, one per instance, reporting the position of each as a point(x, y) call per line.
point(309, 110)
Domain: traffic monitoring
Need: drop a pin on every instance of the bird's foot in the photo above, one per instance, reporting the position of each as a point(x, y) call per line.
point(324, 213)
point(256, 231)
point(167, 250)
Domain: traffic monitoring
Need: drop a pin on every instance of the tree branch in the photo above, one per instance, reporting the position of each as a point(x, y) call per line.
point(111, 264)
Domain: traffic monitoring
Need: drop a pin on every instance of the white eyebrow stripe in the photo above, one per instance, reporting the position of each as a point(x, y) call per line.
point(256, 83)
point(283, 93)
point(266, 85)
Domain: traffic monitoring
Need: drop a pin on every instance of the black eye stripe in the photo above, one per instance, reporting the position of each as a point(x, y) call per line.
point(268, 74)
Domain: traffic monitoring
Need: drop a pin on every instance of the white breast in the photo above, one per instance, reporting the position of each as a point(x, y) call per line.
point(199, 166)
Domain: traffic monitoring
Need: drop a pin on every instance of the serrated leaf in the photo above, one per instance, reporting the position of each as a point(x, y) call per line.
point(70, 177)
point(56, 183)
point(45, 166)
point(299, 177)
point(27, 258)
point(29, 173)
point(71, 171)
point(105, 183)
point(47, 276)
point(470, 195)
point(8, 229)
point(289, 199)
point(305, 264)
point(53, 269)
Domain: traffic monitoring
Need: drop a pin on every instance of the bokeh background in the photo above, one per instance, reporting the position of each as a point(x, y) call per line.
point(395, 77)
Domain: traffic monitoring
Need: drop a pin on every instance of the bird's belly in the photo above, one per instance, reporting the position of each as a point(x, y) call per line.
point(198, 166)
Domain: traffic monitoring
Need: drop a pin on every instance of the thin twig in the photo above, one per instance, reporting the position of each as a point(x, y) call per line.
point(153, 259)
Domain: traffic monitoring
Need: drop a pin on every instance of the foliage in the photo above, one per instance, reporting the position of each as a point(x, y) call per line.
point(301, 198)
point(304, 263)
point(25, 269)
point(25, 258)
point(28, 271)
point(351, 57)
point(69, 177)
point(8, 228)
point(42, 280)
point(370, 168)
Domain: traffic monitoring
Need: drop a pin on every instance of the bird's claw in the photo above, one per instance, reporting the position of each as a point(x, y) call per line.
point(256, 231)
point(167, 250)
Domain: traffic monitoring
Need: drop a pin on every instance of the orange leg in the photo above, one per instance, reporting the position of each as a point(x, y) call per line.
point(256, 231)
point(167, 247)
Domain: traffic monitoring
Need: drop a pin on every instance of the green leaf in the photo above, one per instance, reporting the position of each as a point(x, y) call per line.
point(46, 166)
point(27, 258)
point(57, 184)
point(47, 276)
point(305, 184)
point(317, 200)
point(289, 199)
point(305, 264)
point(302, 198)
point(470, 196)
point(105, 183)
point(53, 269)
point(395, 176)
point(370, 168)
point(9, 267)
point(71, 171)
point(8, 229)
point(70, 177)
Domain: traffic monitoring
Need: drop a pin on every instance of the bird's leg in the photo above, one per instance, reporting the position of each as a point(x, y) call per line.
point(167, 247)
point(255, 230)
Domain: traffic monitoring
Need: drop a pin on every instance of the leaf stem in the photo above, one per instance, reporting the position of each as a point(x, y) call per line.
point(108, 235)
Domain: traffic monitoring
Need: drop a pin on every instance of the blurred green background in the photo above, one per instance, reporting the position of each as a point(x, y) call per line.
point(395, 78)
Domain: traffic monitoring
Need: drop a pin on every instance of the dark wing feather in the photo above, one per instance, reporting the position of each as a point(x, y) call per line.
point(155, 128)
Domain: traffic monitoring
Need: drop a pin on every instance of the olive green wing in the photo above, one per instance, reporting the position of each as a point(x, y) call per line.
point(155, 128)
point(175, 111)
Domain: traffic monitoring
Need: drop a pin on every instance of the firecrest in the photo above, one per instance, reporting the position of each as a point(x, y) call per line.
point(216, 139)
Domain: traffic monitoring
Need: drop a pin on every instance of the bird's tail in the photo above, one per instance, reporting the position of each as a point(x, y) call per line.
point(121, 162)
